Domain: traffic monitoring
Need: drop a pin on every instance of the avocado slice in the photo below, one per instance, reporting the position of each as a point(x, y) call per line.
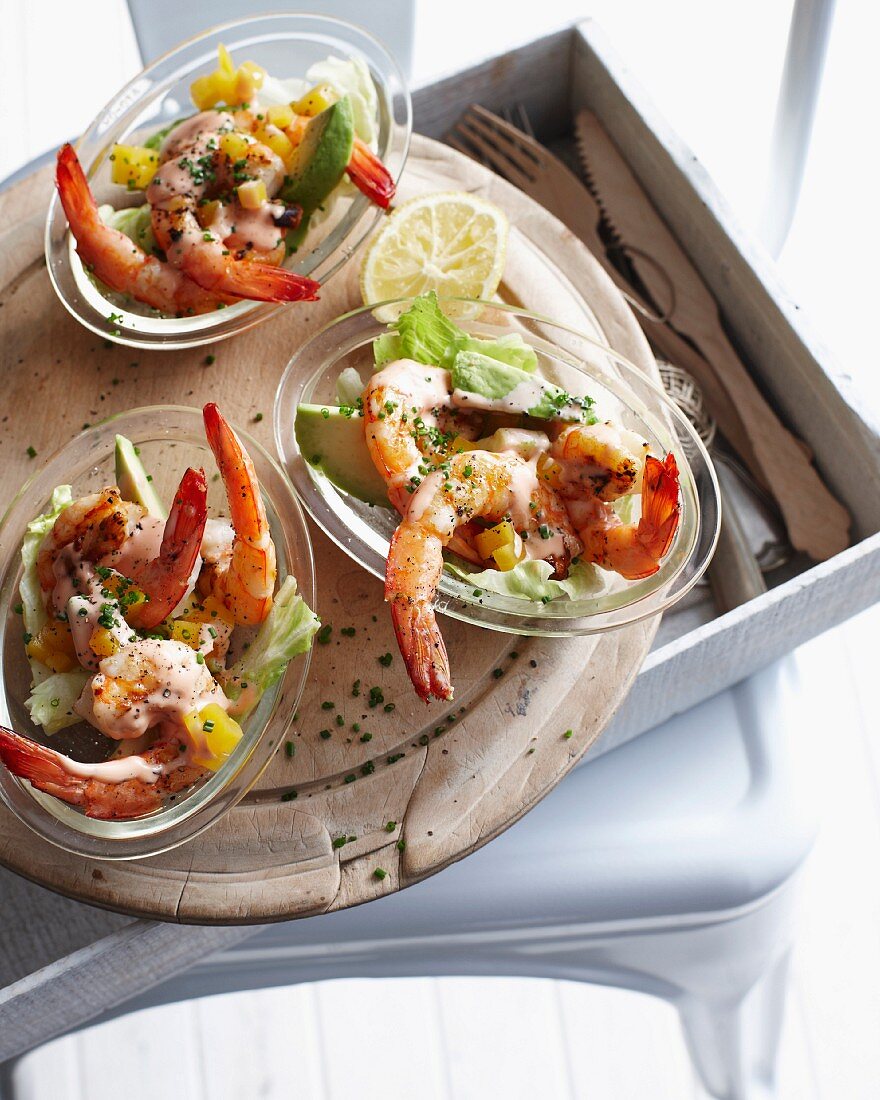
point(335, 444)
point(321, 157)
point(133, 480)
point(482, 382)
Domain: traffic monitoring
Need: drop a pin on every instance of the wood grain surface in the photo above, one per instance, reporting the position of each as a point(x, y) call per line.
point(448, 778)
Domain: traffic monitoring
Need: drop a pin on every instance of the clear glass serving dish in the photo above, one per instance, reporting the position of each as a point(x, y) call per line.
point(169, 438)
point(582, 367)
point(286, 45)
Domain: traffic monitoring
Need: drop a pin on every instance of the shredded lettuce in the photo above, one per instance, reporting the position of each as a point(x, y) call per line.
point(531, 580)
point(286, 633)
point(50, 703)
point(424, 333)
point(33, 611)
point(349, 387)
point(352, 78)
point(134, 222)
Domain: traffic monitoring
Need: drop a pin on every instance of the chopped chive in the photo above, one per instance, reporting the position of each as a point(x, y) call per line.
point(380, 873)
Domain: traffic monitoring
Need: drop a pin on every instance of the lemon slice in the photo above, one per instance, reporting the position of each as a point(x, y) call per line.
point(451, 242)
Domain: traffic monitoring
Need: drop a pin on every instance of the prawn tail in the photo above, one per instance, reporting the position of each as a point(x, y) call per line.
point(370, 176)
point(38, 765)
point(74, 192)
point(661, 506)
point(264, 283)
point(165, 579)
point(422, 647)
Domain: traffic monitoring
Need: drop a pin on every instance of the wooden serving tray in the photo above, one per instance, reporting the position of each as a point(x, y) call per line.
point(440, 780)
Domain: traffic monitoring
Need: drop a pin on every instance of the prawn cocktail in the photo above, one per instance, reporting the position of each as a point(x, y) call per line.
point(499, 476)
point(229, 193)
point(130, 622)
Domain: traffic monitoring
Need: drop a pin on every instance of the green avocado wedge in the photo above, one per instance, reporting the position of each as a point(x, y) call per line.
point(334, 444)
point(321, 157)
point(133, 480)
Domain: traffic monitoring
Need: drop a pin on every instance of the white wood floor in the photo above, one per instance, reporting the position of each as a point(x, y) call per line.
point(462, 1038)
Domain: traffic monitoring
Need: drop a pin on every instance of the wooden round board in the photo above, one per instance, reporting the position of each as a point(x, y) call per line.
point(448, 778)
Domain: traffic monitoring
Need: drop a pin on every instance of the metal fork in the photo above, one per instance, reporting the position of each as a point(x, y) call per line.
point(512, 152)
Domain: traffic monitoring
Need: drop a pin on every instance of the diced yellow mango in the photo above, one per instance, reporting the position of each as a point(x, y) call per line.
point(214, 735)
point(213, 88)
point(487, 542)
point(252, 194)
point(462, 444)
point(510, 554)
point(208, 611)
point(133, 166)
point(207, 212)
point(234, 145)
point(102, 642)
point(184, 631)
point(280, 116)
point(224, 60)
point(249, 79)
point(53, 646)
point(550, 471)
point(278, 142)
point(315, 100)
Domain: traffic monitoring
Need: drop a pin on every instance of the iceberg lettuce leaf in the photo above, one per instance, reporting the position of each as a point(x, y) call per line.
point(286, 633)
point(33, 611)
point(531, 580)
point(134, 221)
point(50, 703)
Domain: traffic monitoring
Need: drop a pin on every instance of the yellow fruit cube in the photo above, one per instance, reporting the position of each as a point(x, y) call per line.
point(550, 471)
point(235, 145)
point(133, 166)
point(280, 116)
point(224, 60)
point(213, 88)
point(252, 194)
point(278, 142)
point(208, 611)
point(214, 735)
point(184, 631)
point(315, 100)
point(102, 642)
point(462, 444)
point(248, 80)
point(487, 542)
point(510, 554)
point(207, 212)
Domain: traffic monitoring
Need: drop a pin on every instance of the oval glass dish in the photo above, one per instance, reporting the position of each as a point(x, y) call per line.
point(582, 367)
point(169, 438)
point(286, 45)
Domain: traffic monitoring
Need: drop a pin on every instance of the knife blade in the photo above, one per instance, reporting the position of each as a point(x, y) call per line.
point(816, 521)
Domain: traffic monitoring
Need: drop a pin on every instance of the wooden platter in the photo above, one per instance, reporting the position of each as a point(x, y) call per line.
point(430, 784)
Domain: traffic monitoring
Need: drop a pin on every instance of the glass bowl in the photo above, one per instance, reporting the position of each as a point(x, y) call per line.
point(170, 438)
point(582, 367)
point(285, 45)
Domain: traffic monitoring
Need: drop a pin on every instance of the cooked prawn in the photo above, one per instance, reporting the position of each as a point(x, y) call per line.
point(192, 176)
point(242, 577)
point(406, 409)
point(95, 525)
point(165, 579)
point(116, 260)
point(369, 175)
point(476, 484)
point(600, 459)
point(633, 550)
point(91, 786)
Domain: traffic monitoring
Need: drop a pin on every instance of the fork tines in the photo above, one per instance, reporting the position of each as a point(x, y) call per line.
point(498, 145)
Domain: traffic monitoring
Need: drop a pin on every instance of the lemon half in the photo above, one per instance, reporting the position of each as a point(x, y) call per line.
point(452, 242)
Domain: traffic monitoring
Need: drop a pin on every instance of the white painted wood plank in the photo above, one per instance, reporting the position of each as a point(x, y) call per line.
point(623, 1044)
point(53, 1070)
point(260, 1044)
point(142, 1056)
point(503, 1039)
point(378, 1040)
